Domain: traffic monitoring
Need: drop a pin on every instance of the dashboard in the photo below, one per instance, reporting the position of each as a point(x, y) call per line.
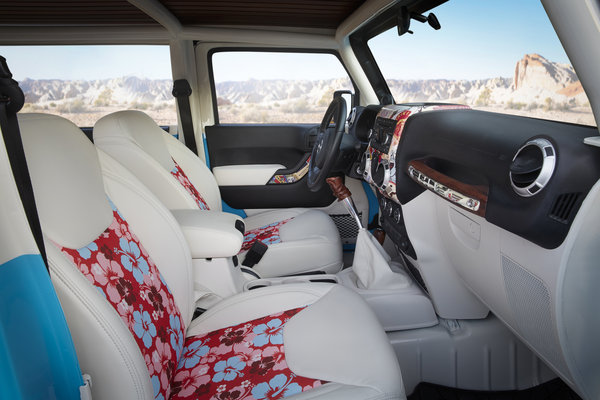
point(525, 175)
point(494, 212)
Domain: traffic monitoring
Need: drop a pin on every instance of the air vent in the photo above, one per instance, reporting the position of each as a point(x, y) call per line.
point(563, 206)
point(532, 167)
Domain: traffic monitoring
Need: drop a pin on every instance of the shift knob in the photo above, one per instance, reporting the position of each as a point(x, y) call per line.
point(338, 188)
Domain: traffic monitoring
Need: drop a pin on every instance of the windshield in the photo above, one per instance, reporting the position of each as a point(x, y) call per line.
point(494, 55)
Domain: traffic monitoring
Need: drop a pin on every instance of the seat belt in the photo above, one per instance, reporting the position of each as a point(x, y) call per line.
point(11, 101)
point(182, 91)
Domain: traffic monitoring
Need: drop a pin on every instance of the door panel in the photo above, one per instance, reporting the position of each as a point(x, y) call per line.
point(288, 145)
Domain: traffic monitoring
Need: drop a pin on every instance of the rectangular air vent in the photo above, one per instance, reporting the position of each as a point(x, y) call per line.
point(563, 207)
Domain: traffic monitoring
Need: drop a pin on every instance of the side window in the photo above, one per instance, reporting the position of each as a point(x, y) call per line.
point(84, 83)
point(275, 87)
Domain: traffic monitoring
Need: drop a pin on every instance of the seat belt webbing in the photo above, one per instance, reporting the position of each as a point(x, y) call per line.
point(11, 101)
point(182, 91)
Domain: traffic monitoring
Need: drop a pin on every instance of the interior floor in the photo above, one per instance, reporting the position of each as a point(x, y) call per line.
point(555, 389)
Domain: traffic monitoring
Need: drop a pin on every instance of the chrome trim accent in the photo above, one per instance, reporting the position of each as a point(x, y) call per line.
point(444, 191)
point(349, 203)
point(548, 165)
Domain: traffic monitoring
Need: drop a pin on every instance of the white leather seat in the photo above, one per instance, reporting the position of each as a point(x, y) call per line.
point(122, 270)
point(299, 240)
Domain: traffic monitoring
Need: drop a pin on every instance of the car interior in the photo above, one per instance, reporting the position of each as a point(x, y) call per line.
point(326, 199)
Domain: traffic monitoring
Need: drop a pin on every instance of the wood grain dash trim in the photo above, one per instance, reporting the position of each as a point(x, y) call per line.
point(476, 192)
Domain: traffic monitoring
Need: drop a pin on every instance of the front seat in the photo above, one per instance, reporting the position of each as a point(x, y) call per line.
point(122, 271)
point(299, 240)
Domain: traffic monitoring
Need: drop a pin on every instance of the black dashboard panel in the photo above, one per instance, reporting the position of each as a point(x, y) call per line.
point(477, 148)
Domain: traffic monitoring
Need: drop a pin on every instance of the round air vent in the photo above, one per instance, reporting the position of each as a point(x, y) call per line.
point(532, 167)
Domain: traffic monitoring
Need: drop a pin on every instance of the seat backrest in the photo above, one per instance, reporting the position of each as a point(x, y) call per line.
point(159, 160)
point(118, 260)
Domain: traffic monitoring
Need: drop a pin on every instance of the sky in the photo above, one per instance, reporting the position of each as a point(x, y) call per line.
point(478, 39)
point(87, 62)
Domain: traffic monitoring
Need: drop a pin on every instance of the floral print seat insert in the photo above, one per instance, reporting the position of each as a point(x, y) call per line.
point(246, 361)
point(182, 178)
point(268, 234)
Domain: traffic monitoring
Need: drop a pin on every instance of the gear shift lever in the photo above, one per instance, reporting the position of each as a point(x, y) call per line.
point(343, 194)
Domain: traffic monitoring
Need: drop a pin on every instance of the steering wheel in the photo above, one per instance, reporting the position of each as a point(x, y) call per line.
point(327, 146)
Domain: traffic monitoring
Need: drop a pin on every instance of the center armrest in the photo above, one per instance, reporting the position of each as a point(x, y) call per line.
point(211, 234)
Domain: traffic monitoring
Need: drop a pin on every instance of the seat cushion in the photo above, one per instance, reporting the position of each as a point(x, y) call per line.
point(239, 362)
point(332, 340)
point(299, 241)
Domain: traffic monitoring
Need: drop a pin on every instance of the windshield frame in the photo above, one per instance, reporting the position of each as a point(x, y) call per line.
point(381, 23)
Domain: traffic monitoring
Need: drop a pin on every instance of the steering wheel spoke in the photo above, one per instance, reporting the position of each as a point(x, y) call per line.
point(327, 145)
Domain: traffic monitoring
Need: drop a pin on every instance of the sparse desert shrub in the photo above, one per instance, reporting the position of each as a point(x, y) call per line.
point(164, 106)
point(221, 101)
point(72, 107)
point(139, 106)
point(104, 99)
point(532, 106)
point(515, 105)
point(548, 104)
point(325, 99)
point(484, 97)
point(301, 106)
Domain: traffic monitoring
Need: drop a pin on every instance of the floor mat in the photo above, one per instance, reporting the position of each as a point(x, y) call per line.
point(551, 390)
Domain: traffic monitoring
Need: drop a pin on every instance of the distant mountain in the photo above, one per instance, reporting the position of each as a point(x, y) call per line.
point(265, 91)
point(536, 81)
point(534, 71)
point(117, 91)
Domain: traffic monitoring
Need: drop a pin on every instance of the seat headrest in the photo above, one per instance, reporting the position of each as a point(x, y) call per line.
point(67, 180)
point(137, 127)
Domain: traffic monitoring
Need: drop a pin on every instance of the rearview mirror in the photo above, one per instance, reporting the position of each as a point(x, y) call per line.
point(404, 17)
point(403, 21)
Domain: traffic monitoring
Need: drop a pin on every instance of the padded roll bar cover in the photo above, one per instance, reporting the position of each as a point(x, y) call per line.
point(210, 234)
point(9, 88)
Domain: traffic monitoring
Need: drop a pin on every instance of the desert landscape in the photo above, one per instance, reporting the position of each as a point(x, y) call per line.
point(538, 87)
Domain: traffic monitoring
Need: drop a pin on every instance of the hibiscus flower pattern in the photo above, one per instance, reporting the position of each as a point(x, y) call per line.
point(178, 173)
point(241, 362)
point(268, 234)
point(120, 268)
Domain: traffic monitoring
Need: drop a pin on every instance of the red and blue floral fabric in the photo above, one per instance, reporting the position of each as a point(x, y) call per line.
point(178, 173)
point(246, 361)
point(120, 268)
point(241, 362)
point(268, 234)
